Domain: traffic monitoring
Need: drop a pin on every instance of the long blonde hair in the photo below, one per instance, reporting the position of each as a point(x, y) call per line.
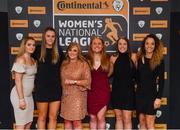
point(22, 46)
point(55, 53)
point(104, 58)
point(157, 53)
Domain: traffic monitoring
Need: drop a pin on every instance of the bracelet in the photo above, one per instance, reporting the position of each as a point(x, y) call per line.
point(21, 100)
point(75, 81)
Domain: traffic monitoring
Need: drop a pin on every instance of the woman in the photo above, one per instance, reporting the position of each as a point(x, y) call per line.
point(99, 95)
point(24, 70)
point(48, 90)
point(76, 80)
point(123, 91)
point(150, 70)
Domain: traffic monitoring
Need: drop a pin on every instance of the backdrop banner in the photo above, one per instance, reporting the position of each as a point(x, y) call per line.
point(80, 20)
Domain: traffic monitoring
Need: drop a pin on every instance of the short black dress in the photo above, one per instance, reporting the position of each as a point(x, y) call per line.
point(147, 90)
point(47, 82)
point(123, 92)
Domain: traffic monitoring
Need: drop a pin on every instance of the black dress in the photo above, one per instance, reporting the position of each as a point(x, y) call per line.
point(147, 90)
point(123, 92)
point(47, 81)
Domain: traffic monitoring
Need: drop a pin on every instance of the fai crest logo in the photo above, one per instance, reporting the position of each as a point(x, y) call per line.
point(18, 9)
point(37, 23)
point(19, 36)
point(118, 5)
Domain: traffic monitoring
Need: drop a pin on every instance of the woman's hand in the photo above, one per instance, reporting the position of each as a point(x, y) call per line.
point(22, 104)
point(157, 103)
point(70, 82)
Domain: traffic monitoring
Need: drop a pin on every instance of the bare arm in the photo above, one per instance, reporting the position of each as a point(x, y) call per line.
point(112, 61)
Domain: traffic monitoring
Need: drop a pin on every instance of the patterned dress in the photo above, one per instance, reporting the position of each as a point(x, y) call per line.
point(74, 97)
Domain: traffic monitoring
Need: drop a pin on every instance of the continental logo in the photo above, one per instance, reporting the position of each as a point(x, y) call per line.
point(36, 10)
point(110, 113)
point(35, 114)
point(161, 126)
point(164, 101)
point(19, 23)
point(141, 10)
point(62, 5)
point(36, 36)
point(139, 36)
point(158, 24)
point(91, 7)
point(14, 50)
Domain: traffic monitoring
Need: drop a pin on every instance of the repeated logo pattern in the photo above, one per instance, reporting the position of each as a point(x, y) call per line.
point(144, 17)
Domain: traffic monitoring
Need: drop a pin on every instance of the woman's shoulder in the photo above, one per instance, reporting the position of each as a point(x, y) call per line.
point(20, 60)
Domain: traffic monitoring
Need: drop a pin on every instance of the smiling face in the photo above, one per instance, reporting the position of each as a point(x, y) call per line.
point(73, 53)
point(30, 46)
point(122, 46)
point(149, 45)
point(96, 45)
point(50, 37)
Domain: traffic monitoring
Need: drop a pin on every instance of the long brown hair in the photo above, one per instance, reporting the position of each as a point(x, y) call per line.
point(157, 53)
point(22, 46)
point(104, 57)
point(55, 53)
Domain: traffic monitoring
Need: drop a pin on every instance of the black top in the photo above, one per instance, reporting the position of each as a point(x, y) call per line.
point(47, 81)
point(147, 90)
point(147, 78)
point(123, 94)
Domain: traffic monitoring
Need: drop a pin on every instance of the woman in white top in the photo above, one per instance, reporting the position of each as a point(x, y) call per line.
point(23, 71)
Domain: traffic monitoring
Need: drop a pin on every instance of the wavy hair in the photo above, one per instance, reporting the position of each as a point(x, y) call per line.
point(157, 53)
point(22, 46)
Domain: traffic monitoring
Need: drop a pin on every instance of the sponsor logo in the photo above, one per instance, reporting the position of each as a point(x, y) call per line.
point(141, 10)
point(164, 101)
point(18, 9)
point(159, 35)
point(14, 50)
point(158, 0)
point(36, 10)
point(139, 36)
point(118, 5)
point(19, 23)
point(158, 113)
point(19, 36)
point(110, 113)
point(36, 36)
point(161, 126)
point(141, 23)
point(159, 10)
point(158, 24)
point(36, 23)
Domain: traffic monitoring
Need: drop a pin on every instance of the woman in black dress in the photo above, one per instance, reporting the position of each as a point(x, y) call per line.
point(150, 78)
point(123, 92)
point(48, 90)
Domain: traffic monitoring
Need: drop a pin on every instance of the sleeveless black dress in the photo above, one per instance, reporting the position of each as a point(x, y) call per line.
point(147, 90)
point(123, 92)
point(47, 81)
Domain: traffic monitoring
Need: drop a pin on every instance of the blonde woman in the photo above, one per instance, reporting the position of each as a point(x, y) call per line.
point(99, 95)
point(48, 90)
point(150, 74)
point(76, 80)
point(24, 70)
